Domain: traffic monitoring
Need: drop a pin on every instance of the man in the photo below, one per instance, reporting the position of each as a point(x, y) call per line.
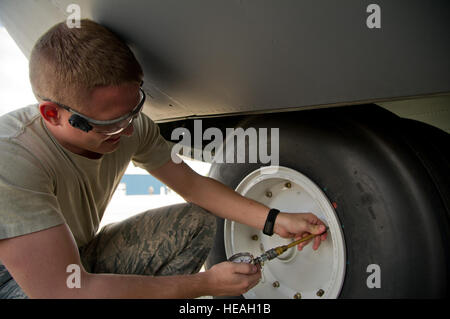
point(61, 161)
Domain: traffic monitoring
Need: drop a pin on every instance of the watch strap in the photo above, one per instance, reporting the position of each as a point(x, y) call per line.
point(270, 222)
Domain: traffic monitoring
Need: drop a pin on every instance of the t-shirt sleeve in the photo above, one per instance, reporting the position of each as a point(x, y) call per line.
point(153, 150)
point(27, 201)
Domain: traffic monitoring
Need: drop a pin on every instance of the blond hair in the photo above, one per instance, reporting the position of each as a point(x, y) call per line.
point(67, 63)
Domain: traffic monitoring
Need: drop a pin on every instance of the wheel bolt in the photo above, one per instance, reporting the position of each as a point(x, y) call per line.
point(298, 296)
point(268, 194)
point(288, 185)
point(320, 293)
point(276, 284)
point(255, 237)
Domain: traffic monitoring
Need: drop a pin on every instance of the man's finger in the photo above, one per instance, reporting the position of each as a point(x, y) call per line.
point(316, 229)
point(303, 244)
point(316, 243)
point(246, 269)
point(255, 281)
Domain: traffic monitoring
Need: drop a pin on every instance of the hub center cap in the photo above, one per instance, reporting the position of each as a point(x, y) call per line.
point(294, 274)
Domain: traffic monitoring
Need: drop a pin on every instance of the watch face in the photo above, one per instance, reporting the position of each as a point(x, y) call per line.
point(242, 258)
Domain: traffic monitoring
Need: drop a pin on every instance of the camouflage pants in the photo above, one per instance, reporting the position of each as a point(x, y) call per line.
point(169, 240)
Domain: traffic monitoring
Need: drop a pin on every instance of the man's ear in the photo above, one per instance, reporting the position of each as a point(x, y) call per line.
point(50, 112)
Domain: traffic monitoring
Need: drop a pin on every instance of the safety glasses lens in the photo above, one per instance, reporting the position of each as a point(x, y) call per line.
point(113, 129)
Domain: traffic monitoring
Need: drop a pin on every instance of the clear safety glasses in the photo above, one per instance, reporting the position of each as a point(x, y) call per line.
point(110, 127)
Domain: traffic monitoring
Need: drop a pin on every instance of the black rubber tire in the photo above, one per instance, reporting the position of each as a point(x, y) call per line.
point(392, 211)
point(431, 147)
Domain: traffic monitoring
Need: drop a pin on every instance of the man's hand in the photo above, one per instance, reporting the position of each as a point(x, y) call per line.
point(300, 225)
point(232, 279)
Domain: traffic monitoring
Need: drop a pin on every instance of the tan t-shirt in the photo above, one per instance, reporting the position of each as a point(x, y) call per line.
point(43, 184)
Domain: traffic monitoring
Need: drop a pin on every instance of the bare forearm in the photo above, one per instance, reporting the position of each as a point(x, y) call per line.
point(118, 286)
point(212, 195)
point(226, 203)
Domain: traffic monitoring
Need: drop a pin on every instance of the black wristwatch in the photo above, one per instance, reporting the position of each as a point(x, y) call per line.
point(270, 222)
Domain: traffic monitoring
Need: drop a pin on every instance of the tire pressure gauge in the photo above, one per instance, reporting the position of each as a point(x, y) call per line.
point(246, 258)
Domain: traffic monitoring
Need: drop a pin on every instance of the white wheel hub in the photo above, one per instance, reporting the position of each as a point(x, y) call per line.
point(295, 274)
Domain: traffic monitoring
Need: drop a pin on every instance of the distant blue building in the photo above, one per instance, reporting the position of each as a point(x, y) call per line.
point(138, 184)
